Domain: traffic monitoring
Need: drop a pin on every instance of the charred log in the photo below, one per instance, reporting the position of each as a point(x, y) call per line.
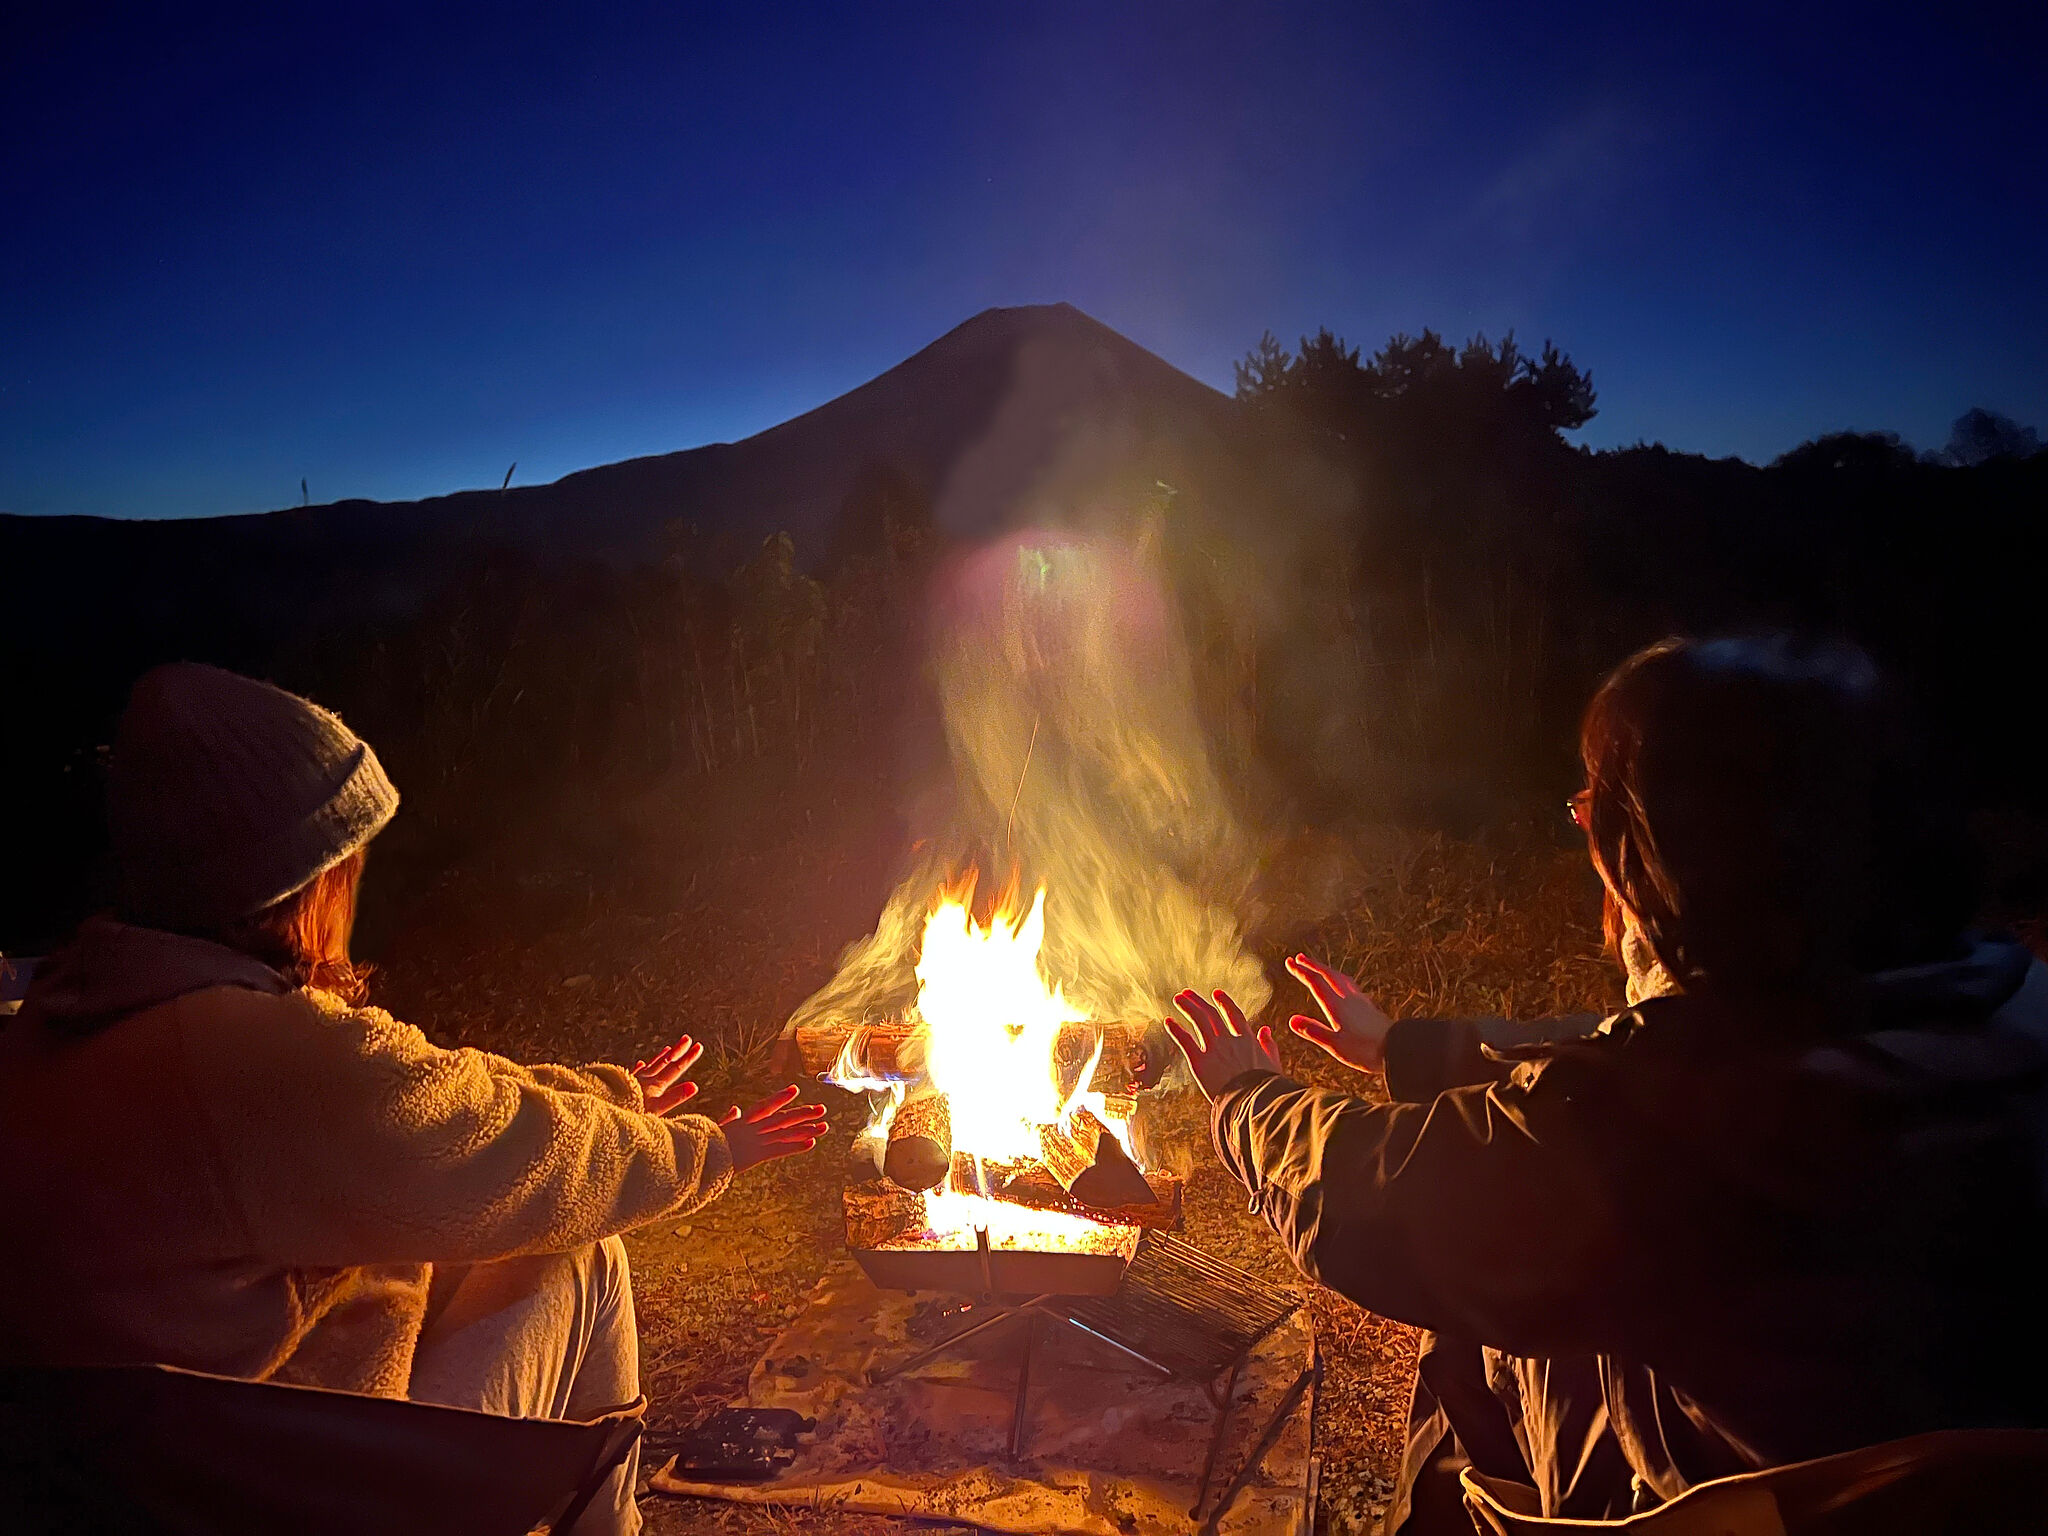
point(1111, 1180)
point(1089, 1164)
point(920, 1147)
point(1123, 1066)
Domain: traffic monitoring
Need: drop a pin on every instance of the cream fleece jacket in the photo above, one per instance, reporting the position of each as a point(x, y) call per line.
point(258, 1182)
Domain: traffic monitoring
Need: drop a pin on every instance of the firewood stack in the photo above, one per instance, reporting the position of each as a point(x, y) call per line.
point(893, 1049)
point(1081, 1168)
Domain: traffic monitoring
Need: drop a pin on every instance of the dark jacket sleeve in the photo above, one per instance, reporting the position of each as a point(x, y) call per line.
point(1426, 1057)
point(1490, 1212)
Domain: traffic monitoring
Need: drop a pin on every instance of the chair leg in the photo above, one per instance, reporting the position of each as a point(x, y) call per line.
point(623, 1440)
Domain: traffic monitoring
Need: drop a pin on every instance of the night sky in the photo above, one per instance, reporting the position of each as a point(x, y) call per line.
point(393, 254)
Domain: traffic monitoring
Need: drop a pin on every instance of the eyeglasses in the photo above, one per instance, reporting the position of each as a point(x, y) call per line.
point(1580, 809)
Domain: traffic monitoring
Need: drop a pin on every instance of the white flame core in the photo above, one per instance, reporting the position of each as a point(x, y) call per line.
point(992, 1023)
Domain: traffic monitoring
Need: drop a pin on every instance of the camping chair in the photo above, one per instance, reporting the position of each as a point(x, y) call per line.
point(1985, 1482)
point(153, 1450)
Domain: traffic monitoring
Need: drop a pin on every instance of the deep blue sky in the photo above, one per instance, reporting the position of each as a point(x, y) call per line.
point(394, 252)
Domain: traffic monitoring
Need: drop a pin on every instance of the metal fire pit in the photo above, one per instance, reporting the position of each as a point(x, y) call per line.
point(907, 1264)
point(886, 1232)
point(1160, 1302)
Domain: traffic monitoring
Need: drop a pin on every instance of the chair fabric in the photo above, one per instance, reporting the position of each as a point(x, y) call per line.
point(158, 1451)
point(1984, 1482)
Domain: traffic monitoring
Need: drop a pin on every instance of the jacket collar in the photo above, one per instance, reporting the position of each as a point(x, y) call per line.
point(111, 969)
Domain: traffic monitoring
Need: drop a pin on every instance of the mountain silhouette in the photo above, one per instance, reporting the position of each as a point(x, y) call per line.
point(1017, 414)
point(982, 418)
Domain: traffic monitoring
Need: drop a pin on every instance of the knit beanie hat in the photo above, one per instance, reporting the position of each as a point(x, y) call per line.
point(225, 795)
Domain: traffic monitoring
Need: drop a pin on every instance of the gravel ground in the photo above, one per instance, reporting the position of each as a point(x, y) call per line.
point(616, 946)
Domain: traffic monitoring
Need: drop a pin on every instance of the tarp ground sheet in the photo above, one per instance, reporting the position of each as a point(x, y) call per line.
point(1110, 1450)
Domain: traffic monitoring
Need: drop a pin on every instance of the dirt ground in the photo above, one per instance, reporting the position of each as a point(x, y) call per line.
point(684, 915)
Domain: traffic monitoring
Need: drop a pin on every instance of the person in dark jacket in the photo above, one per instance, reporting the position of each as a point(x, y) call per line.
point(1789, 1202)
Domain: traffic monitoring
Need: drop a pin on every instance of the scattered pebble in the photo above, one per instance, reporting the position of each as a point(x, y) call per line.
point(684, 1230)
point(581, 978)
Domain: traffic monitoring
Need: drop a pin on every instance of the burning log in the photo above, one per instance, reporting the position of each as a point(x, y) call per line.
point(894, 1049)
point(889, 1050)
point(1090, 1165)
point(1112, 1180)
point(877, 1212)
point(1032, 1185)
point(920, 1147)
point(1123, 1065)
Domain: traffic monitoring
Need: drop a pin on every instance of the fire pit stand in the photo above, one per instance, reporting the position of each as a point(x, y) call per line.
point(1177, 1311)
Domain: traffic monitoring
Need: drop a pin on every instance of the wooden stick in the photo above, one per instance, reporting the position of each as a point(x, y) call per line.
point(1090, 1165)
point(1112, 1179)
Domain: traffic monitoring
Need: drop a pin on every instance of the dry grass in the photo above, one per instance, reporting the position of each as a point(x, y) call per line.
point(604, 957)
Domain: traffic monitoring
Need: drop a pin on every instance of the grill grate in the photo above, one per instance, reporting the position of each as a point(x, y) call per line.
point(1186, 1312)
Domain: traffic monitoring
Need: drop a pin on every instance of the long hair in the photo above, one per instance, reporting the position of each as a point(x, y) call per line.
point(1763, 809)
point(305, 936)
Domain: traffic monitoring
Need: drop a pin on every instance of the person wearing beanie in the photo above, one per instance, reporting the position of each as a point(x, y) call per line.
point(222, 1159)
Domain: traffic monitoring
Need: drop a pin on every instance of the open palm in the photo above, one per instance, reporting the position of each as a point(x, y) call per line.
point(1353, 1028)
point(663, 1077)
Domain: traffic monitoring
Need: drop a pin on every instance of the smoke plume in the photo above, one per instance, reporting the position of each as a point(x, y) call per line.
point(1080, 765)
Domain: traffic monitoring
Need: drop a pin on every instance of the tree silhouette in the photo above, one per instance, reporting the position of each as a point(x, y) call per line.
point(1979, 436)
point(885, 515)
point(1848, 453)
point(1483, 385)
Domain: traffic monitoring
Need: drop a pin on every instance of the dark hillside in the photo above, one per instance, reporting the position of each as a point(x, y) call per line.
point(978, 420)
point(499, 631)
point(1401, 582)
point(1040, 373)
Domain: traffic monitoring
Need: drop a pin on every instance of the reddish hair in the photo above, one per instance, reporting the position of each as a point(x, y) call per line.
point(305, 936)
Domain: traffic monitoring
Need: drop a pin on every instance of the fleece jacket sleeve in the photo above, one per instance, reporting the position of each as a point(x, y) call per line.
point(614, 1084)
point(345, 1137)
point(1483, 1213)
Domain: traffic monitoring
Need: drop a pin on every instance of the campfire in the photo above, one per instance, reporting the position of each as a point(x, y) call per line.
point(1011, 1046)
point(1005, 1135)
point(1004, 1121)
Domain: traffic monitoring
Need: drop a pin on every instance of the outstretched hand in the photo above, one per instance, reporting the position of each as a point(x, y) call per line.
point(663, 1085)
point(1218, 1041)
point(1352, 1028)
point(775, 1127)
